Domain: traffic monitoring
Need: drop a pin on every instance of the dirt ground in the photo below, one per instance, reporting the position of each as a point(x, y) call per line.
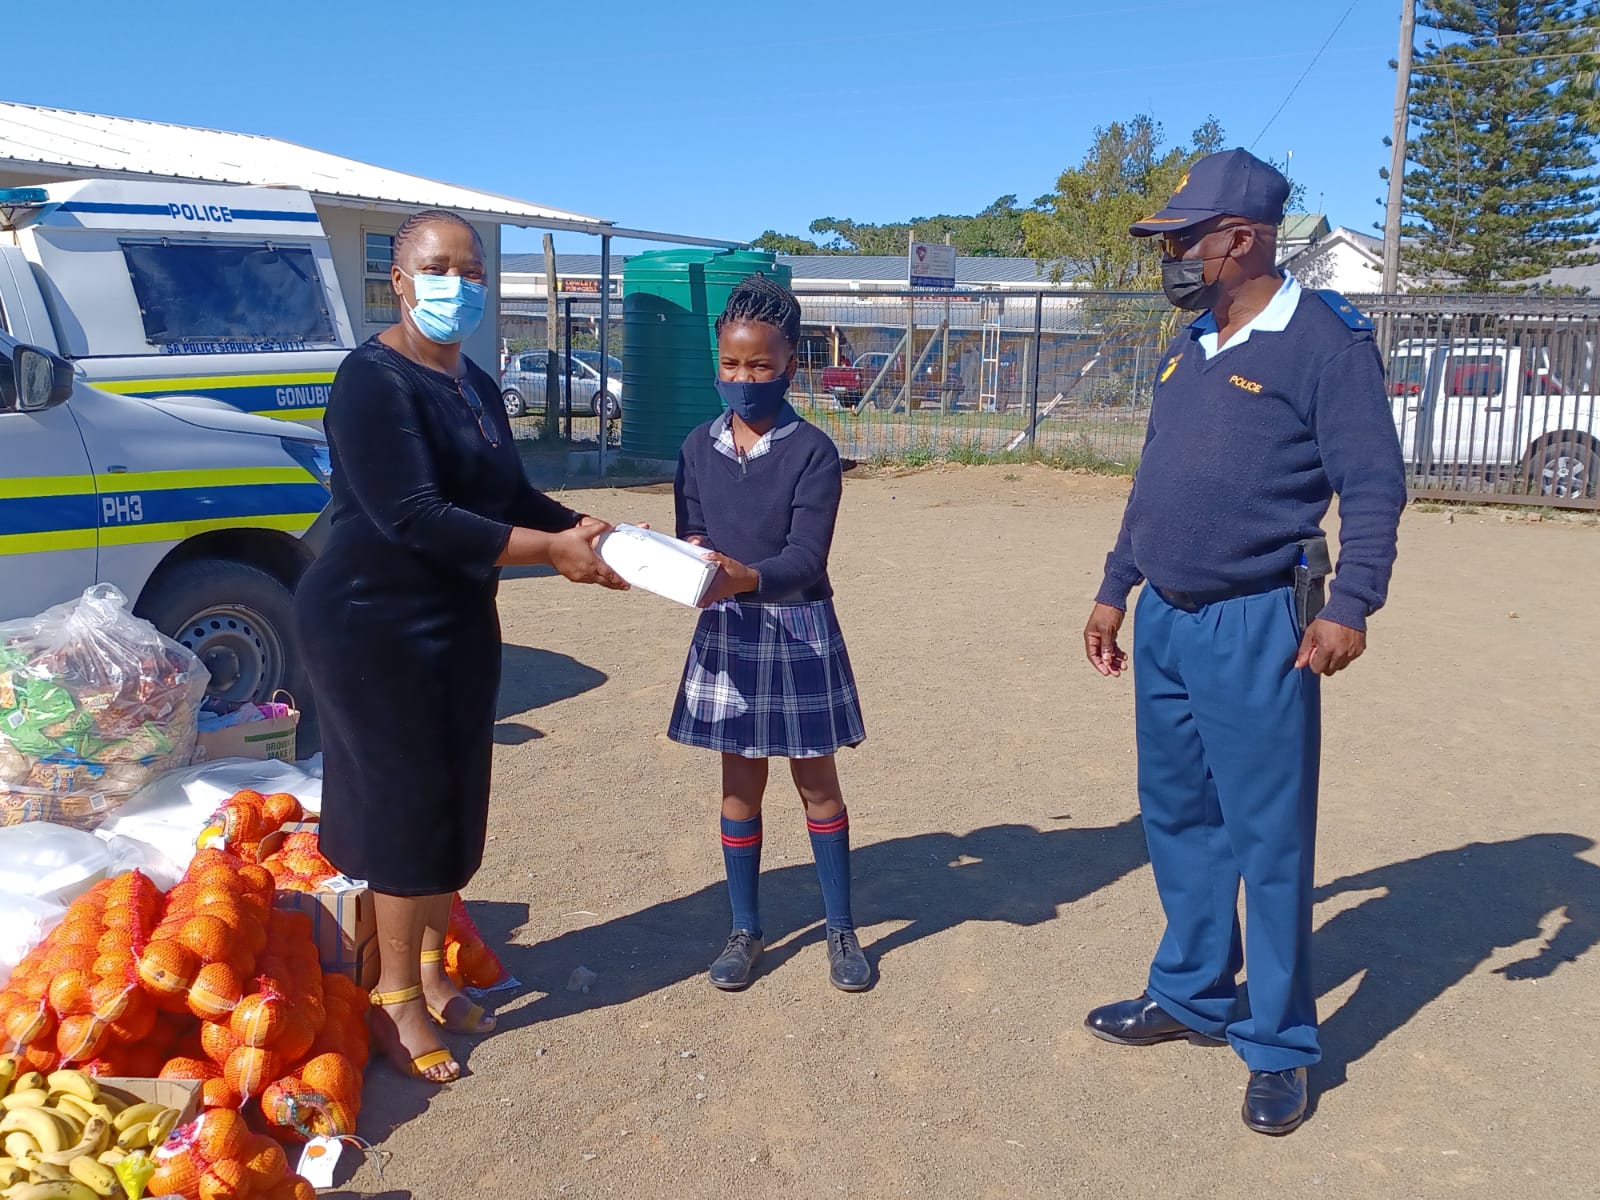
point(1003, 888)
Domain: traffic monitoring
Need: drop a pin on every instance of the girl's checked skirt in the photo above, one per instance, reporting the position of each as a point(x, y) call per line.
point(768, 680)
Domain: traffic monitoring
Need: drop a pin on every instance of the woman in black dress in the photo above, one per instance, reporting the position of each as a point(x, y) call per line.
point(400, 628)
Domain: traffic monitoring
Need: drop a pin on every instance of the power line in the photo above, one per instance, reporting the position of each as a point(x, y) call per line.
point(1307, 71)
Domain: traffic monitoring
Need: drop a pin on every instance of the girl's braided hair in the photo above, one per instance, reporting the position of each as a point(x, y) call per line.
point(767, 301)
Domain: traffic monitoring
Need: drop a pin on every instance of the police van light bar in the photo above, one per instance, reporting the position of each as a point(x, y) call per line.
point(21, 207)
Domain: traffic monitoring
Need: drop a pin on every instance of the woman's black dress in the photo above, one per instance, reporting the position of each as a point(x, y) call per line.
point(398, 621)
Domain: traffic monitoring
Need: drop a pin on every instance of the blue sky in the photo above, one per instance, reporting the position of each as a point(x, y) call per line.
point(726, 119)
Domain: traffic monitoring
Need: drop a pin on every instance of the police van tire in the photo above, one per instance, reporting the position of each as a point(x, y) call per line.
point(239, 620)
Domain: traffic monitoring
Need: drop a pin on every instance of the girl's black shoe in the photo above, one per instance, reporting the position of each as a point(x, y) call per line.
point(848, 969)
point(734, 966)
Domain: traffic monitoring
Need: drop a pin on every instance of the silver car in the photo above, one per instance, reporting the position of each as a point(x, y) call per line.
point(522, 387)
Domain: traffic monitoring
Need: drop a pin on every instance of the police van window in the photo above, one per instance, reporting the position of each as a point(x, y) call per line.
point(228, 292)
point(378, 300)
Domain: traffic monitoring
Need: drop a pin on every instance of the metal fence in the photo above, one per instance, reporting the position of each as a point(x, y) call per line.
point(1492, 397)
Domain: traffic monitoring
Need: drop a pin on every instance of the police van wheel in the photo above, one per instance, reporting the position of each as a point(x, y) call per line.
point(239, 621)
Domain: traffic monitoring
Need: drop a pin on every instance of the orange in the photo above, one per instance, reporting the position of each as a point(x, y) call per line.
point(219, 1093)
point(166, 969)
point(28, 1023)
point(242, 960)
point(294, 1042)
point(250, 1069)
point(334, 1075)
point(188, 1068)
point(258, 1019)
point(80, 1038)
point(109, 1063)
point(282, 809)
point(114, 941)
point(218, 1042)
point(301, 1189)
point(176, 1175)
point(113, 966)
point(137, 1021)
point(109, 998)
point(207, 938)
point(215, 991)
point(70, 993)
point(143, 1062)
point(183, 896)
point(218, 1135)
point(265, 1161)
point(256, 878)
point(41, 1058)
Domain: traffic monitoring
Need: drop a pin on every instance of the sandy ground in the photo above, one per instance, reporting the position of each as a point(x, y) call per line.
point(1003, 887)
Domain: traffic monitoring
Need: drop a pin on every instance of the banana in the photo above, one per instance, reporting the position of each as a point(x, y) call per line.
point(134, 1137)
point(60, 1189)
point(72, 1123)
point(8, 1072)
point(74, 1083)
point(99, 1179)
point(41, 1170)
point(18, 1144)
point(110, 1102)
point(112, 1157)
point(11, 1172)
point(28, 1081)
point(81, 1110)
point(92, 1143)
point(40, 1125)
point(25, 1098)
point(134, 1114)
point(163, 1125)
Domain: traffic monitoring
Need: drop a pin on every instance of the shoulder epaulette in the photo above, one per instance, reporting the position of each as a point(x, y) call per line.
point(1347, 312)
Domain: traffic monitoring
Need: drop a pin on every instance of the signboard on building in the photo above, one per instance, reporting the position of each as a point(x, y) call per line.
point(589, 287)
point(930, 265)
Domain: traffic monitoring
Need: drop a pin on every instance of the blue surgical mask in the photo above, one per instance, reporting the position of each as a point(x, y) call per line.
point(448, 308)
point(755, 403)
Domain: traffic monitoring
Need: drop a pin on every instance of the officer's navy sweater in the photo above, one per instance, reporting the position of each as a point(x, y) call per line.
point(1243, 453)
point(773, 510)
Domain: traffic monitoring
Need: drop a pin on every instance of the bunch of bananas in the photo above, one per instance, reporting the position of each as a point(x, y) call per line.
point(65, 1139)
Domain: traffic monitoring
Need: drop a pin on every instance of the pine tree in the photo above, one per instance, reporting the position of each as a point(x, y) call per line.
point(1500, 186)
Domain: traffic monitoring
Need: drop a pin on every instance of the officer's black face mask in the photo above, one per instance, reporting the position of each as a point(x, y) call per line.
point(1183, 281)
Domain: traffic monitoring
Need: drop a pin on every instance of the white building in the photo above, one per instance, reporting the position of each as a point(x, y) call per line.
point(1344, 260)
point(360, 205)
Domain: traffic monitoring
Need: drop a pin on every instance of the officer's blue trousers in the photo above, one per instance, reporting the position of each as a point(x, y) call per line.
point(1229, 735)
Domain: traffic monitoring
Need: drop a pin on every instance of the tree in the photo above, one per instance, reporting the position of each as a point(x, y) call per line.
point(997, 230)
point(1501, 185)
point(1081, 229)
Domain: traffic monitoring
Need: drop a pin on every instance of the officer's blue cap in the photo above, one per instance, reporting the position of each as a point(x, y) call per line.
point(1234, 183)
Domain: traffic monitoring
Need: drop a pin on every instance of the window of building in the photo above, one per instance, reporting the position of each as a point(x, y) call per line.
point(380, 306)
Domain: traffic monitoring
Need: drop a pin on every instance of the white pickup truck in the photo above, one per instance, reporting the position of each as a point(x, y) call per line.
point(144, 329)
point(1484, 414)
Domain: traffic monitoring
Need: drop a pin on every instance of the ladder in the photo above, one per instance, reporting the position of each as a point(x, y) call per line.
point(989, 366)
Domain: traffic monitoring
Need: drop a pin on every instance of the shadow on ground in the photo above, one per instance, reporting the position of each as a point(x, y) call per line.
point(530, 679)
point(1440, 917)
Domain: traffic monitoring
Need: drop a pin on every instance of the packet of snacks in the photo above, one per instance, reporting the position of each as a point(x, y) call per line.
point(94, 703)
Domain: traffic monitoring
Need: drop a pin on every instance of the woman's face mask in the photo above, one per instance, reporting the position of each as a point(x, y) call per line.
point(448, 308)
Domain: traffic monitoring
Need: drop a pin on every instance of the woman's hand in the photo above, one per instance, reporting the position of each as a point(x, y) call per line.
point(572, 552)
point(733, 577)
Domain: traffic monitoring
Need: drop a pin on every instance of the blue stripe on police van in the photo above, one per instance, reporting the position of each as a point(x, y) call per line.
point(210, 503)
point(163, 210)
point(285, 398)
point(48, 514)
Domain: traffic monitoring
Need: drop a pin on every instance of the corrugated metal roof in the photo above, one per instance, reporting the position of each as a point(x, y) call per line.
point(566, 264)
point(80, 143)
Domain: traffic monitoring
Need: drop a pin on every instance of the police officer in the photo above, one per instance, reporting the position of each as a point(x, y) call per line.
point(1265, 407)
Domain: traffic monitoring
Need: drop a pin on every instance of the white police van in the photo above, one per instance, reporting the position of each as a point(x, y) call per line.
point(148, 330)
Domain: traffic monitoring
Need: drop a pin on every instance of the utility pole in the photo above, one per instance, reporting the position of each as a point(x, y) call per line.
point(1397, 157)
point(555, 380)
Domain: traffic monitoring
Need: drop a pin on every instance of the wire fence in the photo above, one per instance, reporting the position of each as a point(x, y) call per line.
point(1492, 397)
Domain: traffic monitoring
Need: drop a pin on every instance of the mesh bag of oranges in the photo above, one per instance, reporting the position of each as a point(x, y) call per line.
point(218, 1157)
point(76, 995)
point(247, 817)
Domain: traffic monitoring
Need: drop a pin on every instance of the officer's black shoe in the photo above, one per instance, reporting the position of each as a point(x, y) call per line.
point(734, 966)
point(1140, 1022)
point(848, 969)
point(1275, 1101)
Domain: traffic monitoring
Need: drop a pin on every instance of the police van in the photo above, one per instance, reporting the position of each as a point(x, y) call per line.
point(147, 333)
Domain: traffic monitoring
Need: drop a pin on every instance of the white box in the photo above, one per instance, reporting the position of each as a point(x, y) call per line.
point(658, 563)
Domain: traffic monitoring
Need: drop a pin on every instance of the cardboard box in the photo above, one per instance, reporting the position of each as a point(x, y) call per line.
point(344, 922)
point(649, 559)
point(181, 1094)
point(269, 738)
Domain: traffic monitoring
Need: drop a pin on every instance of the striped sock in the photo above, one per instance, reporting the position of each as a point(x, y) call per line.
point(830, 843)
point(741, 856)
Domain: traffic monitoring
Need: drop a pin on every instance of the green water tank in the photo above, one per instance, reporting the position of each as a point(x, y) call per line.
point(670, 303)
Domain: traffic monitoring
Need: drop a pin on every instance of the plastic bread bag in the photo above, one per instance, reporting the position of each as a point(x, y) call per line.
point(51, 862)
